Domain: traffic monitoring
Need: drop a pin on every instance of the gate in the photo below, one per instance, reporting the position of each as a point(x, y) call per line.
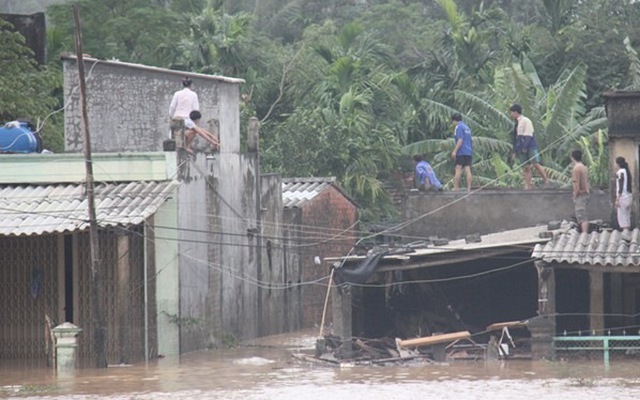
point(29, 272)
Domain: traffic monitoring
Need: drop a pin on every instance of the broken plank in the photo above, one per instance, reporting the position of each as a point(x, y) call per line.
point(511, 324)
point(431, 340)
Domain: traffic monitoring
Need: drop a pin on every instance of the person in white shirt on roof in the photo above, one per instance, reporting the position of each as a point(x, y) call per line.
point(184, 101)
point(525, 147)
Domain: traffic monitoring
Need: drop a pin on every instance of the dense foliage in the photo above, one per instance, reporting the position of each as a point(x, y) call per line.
point(352, 88)
point(27, 90)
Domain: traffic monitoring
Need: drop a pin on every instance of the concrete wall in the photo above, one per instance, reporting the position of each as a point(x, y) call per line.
point(128, 105)
point(281, 300)
point(453, 215)
point(292, 262)
point(163, 250)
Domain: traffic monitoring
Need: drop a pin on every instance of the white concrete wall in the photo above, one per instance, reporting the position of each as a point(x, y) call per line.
point(165, 240)
point(128, 105)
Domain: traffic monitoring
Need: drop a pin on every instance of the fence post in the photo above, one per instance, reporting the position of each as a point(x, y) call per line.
point(66, 346)
point(542, 332)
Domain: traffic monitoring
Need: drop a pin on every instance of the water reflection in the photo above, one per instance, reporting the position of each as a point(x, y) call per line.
point(264, 369)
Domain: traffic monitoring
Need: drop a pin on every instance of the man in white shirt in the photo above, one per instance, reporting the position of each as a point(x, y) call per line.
point(525, 147)
point(184, 101)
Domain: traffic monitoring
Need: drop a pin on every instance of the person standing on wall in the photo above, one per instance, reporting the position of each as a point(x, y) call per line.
point(525, 146)
point(580, 179)
point(184, 101)
point(623, 194)
point(425, 175)
point(463, 151)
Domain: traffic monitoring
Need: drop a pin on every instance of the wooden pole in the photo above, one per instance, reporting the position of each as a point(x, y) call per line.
point(98, 325)
point(326, 301)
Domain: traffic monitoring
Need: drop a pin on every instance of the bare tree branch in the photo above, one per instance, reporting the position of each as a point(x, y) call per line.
point(286, 68)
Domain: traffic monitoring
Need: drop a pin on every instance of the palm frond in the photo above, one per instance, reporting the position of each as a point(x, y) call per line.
point(634, 67)
point(521, 84)
point(451, 10)
point(428, 146)
point(484, 144)
point(482, 107)
point(569, 100)
point(532, 73)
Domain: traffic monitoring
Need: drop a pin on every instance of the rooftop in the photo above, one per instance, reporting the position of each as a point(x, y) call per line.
point(58, 208)
point(609, 248)
point(431, 255)
point(297, 191)
point(73, 57)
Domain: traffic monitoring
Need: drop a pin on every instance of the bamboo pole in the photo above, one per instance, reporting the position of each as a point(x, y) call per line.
point(326, 302)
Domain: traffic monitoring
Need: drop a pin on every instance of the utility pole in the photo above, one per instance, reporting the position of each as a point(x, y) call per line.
point(98, 324)
point(253, 146)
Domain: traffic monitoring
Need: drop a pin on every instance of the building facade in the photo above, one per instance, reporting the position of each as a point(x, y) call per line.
point(46, 263)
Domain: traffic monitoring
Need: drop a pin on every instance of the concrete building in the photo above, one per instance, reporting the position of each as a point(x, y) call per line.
point(241, 256)
point(223, 203)
point(45, 262)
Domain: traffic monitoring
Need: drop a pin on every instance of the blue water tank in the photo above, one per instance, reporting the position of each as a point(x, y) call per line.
point(18, 137)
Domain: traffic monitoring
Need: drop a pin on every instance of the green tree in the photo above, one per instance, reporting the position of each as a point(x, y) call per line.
point(215, 43)
point(127, 30)
point(26, 89)
point(345, 101)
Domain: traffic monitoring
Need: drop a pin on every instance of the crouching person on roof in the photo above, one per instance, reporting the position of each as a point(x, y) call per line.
point(192, 130)
point(425, 175)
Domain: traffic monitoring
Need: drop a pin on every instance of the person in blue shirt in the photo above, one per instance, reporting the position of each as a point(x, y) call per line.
point(463, 152)
point(425, 175)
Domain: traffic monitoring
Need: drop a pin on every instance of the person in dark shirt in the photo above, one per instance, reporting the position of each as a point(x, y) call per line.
point(463, 151)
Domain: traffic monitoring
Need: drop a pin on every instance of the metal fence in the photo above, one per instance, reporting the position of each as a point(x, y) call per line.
point(606, 348)
point(29, 295)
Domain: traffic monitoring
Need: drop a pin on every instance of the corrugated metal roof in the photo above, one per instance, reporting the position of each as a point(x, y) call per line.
point(458, 250)
point(607, 248)
point(297, 191)
point(41, 209)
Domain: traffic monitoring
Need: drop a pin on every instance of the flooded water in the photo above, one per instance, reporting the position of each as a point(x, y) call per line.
point(265, 369)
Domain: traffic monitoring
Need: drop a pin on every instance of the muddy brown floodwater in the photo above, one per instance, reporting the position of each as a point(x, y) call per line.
point(265, 369)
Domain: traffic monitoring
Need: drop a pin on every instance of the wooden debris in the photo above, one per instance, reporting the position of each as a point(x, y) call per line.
point(512, 324)
point(432, 340)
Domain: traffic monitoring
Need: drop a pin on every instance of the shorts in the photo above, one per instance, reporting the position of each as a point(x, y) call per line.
point(529, 157)
point(581, 203)
point(464, 161)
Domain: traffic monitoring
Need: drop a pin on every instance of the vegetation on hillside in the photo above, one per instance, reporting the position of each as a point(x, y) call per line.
point(352, 88)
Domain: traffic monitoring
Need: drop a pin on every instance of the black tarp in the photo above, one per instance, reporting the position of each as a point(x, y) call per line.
point(359, 273)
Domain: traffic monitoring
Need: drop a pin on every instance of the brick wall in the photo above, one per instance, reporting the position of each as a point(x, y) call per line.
point(328, 231)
